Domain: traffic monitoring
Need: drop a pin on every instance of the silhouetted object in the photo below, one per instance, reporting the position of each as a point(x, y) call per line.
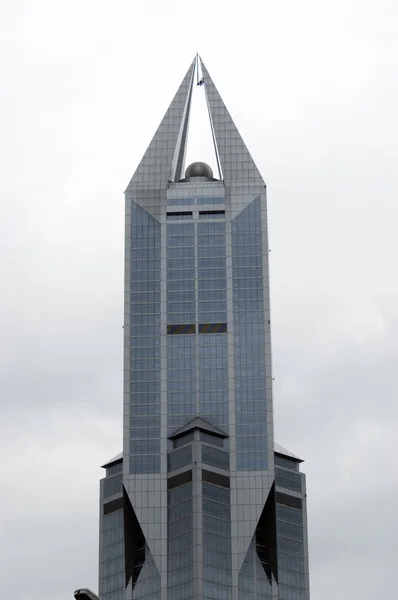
point(85, 594)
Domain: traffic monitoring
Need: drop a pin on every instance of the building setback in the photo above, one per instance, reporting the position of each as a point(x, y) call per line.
point(201, 504)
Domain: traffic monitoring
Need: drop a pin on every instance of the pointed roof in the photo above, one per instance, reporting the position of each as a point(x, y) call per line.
point(164, 159)
point(235, 161)
point(113, 460)
point(198, 423)
point(284, 452)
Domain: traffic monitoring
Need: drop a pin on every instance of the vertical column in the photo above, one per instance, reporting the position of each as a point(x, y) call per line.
point(197, 519)
point(163, 397)
point(305, 539)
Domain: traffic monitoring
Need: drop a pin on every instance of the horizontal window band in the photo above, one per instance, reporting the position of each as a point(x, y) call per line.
point(212, 328)
point(202, 200)
point(180, 479)
point(180, 215)
point(215, 478)
point(183, 329)
point(113, 506)
point(180, 329)
point(287, 500)
point(212, 212)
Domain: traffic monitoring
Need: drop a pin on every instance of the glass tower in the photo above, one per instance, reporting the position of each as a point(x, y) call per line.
point(200, 505)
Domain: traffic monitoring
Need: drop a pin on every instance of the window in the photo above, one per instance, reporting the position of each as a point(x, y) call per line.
point(211, 214)
point(286, 463)
point(287, 479)
point(179, 216)
point(180, 329)
point(179, 458)
point(213, 328)
point(215, 457)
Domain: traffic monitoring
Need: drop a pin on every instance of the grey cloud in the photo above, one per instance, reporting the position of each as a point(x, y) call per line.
point(313, 90)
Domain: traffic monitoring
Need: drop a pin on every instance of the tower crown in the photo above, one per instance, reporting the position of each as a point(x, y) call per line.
point(163, 164)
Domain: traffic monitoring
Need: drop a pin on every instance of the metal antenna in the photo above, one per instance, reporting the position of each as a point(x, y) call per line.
point(199, 76)
point(197, 67)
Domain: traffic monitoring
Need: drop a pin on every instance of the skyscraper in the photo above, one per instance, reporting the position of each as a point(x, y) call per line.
point(191, 508)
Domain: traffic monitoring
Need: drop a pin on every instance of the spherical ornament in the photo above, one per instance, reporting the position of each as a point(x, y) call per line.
point(199, 169)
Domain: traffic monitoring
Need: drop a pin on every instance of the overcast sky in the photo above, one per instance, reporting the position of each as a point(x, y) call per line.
point(313, 89)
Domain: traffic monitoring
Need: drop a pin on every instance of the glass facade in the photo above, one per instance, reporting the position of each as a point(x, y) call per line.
point(147, 585)
point(291, 553)
point(287, 479)
point(111, 552)
point(249, 339)
point(197, 364)
point(181, 380)
point(145, 331)
point(211, 439)
point(113, 485)
point(253, 582)
point(179, 458)
point(114, 468)
point(194, 201)
point(198, 380)
point(211, 274)
point(286, 463)
point(215, 524)
point(180, 543)
point(180, 273)
point(215, 457)
point(291, 530)
point(112, 582)
point(213, 379)
point(217, 576)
